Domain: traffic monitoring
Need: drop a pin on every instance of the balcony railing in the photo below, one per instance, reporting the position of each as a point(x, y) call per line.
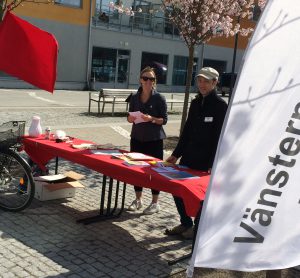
point(143, 23)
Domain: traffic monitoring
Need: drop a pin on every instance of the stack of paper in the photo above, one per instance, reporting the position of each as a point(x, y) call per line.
point(138, 156)
point(135, 163)
point(87, 146)
point(106, 152)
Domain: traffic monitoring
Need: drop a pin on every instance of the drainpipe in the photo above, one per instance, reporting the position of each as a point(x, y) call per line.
point(88, 67)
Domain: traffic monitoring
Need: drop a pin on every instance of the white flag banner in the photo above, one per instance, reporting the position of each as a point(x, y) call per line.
point(251, 216)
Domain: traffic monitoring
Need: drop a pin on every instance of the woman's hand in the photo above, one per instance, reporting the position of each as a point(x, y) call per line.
point(172, 159)
point(130, 118)
point(147, 118)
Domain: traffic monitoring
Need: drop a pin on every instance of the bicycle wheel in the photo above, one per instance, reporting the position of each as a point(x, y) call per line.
point(16, 182)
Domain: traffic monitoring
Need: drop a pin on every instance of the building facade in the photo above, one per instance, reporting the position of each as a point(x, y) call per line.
point(101, 48)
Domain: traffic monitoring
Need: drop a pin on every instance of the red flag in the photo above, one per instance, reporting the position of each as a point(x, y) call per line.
point(28, 52)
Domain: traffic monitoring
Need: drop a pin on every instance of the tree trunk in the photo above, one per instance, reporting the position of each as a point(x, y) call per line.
point(187, 87)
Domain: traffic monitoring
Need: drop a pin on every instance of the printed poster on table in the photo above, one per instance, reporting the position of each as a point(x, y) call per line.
point(251, 215)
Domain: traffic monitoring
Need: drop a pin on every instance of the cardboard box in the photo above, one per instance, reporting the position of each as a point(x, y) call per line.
point(57, 186)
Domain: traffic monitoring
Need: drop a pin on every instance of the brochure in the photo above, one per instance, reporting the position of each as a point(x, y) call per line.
point(138, 156)
point(174, 174)
point(87, 146)
point(138, 117)
point(162, 169)
point(178, 175)
point(135, 163)
point(106, 152)
point(119, 156)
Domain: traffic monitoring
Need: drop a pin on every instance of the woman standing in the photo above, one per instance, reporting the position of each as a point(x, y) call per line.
point(147, 137)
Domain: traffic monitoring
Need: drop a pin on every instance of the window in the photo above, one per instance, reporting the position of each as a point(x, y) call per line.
point(72, 3)
point(103, 6)
point(180, 70)
point(142, 6)
point(104, 64)
point(110, 65)
point(157, 61)
point(220, 66)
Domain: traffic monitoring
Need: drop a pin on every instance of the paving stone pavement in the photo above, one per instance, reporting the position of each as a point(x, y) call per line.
point(46, 241)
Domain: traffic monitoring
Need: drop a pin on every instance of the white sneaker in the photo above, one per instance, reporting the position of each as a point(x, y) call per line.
point(135, 205)
point(153, 208)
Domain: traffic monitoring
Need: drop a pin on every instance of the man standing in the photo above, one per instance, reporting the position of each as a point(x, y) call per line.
point(198, 142)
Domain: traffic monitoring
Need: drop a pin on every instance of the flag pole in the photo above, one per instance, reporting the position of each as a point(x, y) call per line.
point(233, 63)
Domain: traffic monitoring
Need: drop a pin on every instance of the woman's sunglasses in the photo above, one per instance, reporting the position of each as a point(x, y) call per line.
point(145, 78)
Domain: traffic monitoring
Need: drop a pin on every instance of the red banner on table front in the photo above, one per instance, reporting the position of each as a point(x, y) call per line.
point(28, 52)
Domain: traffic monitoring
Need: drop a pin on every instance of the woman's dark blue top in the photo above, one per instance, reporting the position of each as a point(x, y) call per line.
point(156, 106)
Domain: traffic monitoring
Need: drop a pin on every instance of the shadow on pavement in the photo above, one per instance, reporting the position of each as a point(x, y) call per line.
point(45, 240)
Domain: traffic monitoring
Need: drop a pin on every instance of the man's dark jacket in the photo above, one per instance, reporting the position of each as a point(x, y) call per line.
point(199, 140)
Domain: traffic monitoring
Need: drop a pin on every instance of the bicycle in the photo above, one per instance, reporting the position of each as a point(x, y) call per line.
point(16, 181)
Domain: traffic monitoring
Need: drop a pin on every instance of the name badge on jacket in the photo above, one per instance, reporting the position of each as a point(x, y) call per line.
point(208, 119)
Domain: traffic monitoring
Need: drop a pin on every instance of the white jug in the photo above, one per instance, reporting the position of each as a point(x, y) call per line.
point(35, 129)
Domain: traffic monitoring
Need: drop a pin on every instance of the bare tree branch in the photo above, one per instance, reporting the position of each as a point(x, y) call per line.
point(200, 20)
point(6, 5)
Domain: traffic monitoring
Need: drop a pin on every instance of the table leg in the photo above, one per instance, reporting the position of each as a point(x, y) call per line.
point(123, 199)
point(110, 187)
point(102, 195)
point(56, 165)
point(108, 213)
point(116, 197)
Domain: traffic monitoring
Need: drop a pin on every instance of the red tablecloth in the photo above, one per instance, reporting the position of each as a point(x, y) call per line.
point(190, 190)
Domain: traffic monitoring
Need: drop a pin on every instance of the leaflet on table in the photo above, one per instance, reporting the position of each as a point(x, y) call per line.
point(174, 174)
point(119, 156)
point(138, 156)
point(162, 169)
point(88, 146)
point(135, 163)
point(138, 117)
point(106, 152)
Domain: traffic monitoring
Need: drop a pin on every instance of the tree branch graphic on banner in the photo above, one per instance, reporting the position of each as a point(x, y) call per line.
point(286, 87)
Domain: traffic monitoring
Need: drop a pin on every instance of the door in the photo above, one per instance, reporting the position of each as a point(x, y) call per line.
point(122, 72)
